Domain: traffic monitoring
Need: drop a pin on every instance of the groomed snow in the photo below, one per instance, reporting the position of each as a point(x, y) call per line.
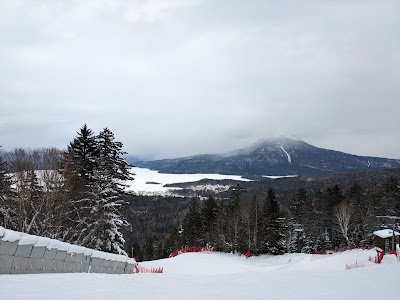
point(199, 276)
point(150, 181)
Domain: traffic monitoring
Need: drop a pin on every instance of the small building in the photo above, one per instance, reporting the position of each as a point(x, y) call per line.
point(386, 239)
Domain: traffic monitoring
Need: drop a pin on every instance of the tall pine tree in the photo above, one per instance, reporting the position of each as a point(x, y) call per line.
point(275, 225)
point(78, 166)
point(209, 212)
point(110, 175)
point(192, 226)
point(95, 173)
point(303, 226)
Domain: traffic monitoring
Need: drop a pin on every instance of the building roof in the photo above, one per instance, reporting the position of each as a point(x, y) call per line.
point(385, 233)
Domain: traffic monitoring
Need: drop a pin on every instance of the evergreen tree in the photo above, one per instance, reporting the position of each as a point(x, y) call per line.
point(209, 212)
point(275, 229)
point(362, 206)
point(82, 155)
point(256, 223)
point(192, 226)
point(237, 192)
point(95, 173)
point(7, 198)
point(172, 243)
point(330, 198)
point(149, 248)
point(109, 178)
point(233, 219)
point(392, 196)
point(334, 196)
point(78, 167)
point(303, 226)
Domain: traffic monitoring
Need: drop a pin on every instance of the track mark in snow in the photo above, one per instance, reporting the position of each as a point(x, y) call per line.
point(288, 155)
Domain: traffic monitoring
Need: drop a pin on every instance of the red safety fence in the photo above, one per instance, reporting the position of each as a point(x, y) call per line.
point(380, 257)
point(377, 260)
point(356, 265)
point(191, 249)
point(140, 269)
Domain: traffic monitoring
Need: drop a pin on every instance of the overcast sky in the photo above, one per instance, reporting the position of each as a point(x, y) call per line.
point(173, 78)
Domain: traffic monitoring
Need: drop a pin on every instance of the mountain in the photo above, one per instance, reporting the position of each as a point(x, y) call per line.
point(277, 156)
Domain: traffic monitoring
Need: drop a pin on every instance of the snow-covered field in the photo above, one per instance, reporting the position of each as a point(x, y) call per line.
point(223, 276)
point(149, 181)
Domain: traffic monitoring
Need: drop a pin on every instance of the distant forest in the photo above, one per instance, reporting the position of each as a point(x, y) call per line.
point(285, 215)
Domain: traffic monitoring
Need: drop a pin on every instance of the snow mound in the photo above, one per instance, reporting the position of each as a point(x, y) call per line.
point(390, 259)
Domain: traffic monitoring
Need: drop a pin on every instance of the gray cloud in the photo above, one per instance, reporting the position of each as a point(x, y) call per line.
point(180, 77)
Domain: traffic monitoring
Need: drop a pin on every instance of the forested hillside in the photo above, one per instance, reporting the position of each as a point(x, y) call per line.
point(270, 216)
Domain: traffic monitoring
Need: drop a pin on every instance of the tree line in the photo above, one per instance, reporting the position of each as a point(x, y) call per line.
point(313, 220)
point(74, 195)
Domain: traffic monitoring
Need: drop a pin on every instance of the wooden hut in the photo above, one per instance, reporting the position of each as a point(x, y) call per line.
point(386, 239)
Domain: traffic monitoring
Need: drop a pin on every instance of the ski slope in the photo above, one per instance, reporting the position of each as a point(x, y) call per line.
point(223, 276)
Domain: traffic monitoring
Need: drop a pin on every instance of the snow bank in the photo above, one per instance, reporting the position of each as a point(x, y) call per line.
point(111, 256)
point(43, 242)
point(28, 240)
point(11, 235)
point(76, 249)
point(61, 246)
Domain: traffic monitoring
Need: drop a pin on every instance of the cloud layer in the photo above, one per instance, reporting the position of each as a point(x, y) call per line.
point(181, 77)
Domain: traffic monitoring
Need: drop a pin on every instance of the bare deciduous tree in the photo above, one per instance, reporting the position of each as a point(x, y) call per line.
point(342, 215)
point(40, 195)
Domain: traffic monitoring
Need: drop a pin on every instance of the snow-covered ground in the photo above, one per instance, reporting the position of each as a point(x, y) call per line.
point(223, 276)
point(149, 181)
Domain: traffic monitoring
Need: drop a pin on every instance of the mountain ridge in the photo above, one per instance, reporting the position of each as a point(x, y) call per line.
point(273, 157)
